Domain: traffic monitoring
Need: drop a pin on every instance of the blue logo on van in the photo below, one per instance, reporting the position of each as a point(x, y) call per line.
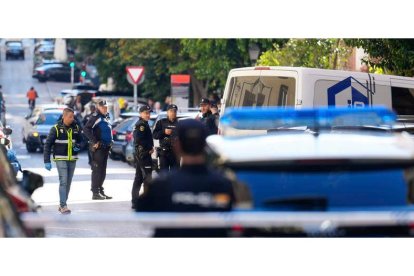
point(357, 98)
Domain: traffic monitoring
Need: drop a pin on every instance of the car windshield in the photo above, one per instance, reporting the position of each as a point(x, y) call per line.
point(48, 119)
point(127, 125)
point(14, 45)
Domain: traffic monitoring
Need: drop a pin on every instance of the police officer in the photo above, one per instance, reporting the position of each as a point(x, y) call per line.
point(84, 121)
point(192, 188)
point(165, 131)
point(65, 138)
point(144, 147)
point(207, 118)
point(99, 133)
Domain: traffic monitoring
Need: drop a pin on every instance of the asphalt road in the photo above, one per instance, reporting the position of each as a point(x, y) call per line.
point(16, 79)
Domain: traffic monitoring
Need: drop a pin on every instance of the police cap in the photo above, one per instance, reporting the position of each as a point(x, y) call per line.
point(192, 136)
point(172, 106)
point(144, 108)
point(103, 103)
point(204, 101)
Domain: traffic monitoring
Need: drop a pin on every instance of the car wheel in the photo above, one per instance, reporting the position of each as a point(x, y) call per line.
point(24, 140)
point(114, 156)
point(31, 148)
point(42, 79)
point(131, 163)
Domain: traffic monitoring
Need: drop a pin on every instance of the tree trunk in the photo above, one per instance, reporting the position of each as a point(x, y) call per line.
point(200, 90)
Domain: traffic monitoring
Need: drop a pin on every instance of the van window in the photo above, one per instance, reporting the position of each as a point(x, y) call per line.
point(403, 100)
point(261, 91)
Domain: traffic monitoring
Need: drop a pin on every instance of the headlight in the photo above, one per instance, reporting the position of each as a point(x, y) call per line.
point(35, 134)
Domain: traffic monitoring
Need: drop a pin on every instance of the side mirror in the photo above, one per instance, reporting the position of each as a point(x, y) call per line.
point(31, 181)
point(7, 131)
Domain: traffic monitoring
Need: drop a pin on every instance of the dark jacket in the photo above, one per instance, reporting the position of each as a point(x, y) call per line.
point(143, 136)
point(61, 141)
point(98, 129)
point(194, 188)
point(209, 120)
point(159, 133)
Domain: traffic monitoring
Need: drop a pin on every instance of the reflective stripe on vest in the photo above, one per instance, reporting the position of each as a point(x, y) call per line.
point(69, 141)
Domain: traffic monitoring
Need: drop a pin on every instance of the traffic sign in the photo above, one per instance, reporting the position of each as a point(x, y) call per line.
point(135, 72)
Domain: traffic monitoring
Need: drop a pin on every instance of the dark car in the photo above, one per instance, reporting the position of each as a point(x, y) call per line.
point(122, 134)
point(14, 49)
point(35, 132)
point(56, 72)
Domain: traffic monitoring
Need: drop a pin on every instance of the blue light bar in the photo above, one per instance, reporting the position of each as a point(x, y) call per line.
point(324, 117)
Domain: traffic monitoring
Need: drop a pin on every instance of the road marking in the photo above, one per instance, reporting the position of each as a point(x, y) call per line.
point(23, 156)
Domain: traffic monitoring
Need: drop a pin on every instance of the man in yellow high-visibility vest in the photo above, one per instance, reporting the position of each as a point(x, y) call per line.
point(65, 138)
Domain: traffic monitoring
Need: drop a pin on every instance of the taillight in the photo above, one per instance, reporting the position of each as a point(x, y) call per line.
point(41, 72)
point(262, 68)
point(113, 132)
point(20, 204)
point(129, 136)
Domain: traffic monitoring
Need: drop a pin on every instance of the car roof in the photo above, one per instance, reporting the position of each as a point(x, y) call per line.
point(52, 111)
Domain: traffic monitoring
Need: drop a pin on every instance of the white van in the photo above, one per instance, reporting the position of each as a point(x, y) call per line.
point(309, 87)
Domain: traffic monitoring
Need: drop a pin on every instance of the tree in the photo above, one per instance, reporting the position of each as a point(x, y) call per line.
point(208, 61)
point(395, 56)
point(314, 53)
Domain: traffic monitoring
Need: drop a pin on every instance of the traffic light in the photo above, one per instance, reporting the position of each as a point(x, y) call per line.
point(83, 74)
point(72, 64)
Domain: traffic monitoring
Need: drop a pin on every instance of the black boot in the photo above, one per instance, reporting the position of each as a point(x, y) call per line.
point(105, 196)
point(97, 196)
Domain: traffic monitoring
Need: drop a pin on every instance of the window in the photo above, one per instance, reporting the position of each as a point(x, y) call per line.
point(403, 100)
point(261, 91)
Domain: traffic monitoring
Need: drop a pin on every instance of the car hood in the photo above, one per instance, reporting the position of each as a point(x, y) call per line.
point(309, 146)
point(43, 129)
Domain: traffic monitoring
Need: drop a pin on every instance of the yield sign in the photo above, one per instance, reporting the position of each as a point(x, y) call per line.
point(135, 72)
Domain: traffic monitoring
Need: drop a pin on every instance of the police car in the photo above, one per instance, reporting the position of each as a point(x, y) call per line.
point(326, 161)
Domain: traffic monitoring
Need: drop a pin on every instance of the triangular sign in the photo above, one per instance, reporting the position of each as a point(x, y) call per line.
point(135, 72)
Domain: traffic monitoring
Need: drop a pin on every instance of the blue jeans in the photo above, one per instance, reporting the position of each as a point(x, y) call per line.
point(65, 171)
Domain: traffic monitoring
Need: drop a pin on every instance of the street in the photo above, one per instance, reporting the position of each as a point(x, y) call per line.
point(16, 79)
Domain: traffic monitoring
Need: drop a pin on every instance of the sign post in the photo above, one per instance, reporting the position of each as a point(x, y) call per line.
point(72, 73)
point(135, 74)
point(180, 90)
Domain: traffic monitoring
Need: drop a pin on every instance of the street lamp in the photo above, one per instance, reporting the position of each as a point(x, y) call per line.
point(254, 51)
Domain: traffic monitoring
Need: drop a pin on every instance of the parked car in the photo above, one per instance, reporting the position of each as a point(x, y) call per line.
point(329, 161)
point(35, 132)
point(56, 72)
point(14, 49)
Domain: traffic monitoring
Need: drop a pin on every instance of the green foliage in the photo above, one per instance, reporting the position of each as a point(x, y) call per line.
point(394, 56)
point(208, 61)
point(314, 53)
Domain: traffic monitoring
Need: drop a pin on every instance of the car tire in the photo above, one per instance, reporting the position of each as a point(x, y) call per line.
point(114, 156)
point(42, 79)
point(31, 148)
point(131, 163)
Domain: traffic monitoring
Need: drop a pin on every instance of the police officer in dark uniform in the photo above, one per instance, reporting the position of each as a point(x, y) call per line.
point(84, 121)
point(165, 131)
point(207, 118)
point(193, 188)
point(144, 147)
point(98, 130)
